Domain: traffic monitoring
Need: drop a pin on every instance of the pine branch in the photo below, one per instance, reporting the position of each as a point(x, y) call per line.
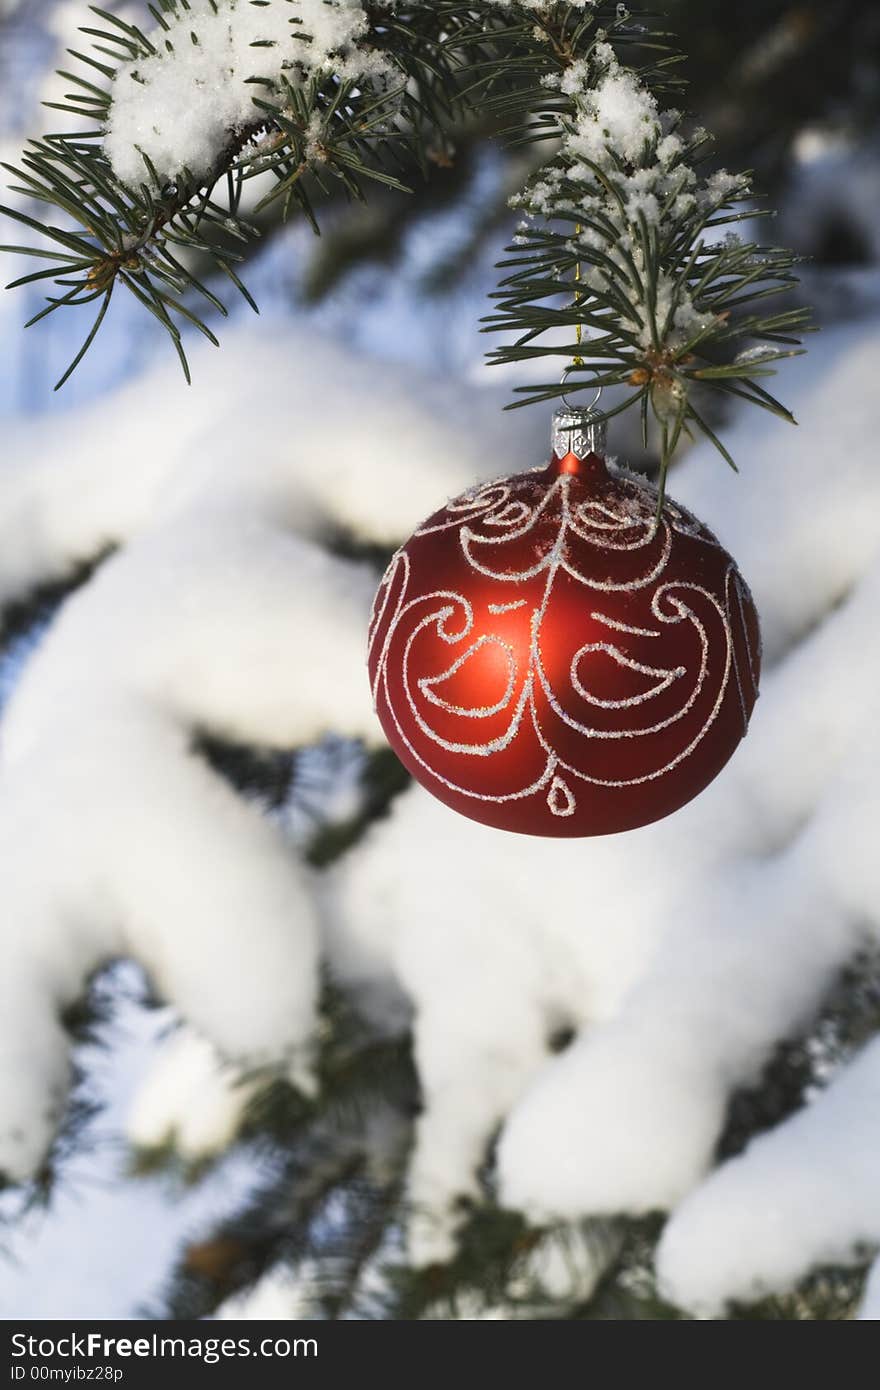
point(621, 269)
point(379, 104)
point(628, 268)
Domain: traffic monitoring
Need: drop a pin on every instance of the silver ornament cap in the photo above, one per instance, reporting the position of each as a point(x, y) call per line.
point(578, 431)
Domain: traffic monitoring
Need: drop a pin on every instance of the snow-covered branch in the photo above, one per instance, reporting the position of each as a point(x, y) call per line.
point(213, 615)
point(179, 106)
point(308, 93)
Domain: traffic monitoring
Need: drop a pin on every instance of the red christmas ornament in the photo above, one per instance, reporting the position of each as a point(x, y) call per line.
point(547, 658)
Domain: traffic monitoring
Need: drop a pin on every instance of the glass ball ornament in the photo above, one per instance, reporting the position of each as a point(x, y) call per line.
point(551, 655)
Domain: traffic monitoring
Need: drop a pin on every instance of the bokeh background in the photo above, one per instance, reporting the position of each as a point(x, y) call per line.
point(690, 1018)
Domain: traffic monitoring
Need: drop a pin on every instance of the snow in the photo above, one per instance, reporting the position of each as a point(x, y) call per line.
point(372, 464)
point(183, 105)
point(103, 1246)
point(214, 616)
point(562, 1269)
point(139, 831)
point(614, 125)
point(617, 114)
point(870, 1309)
point(189, 1100)
point(803, 1196)
point(565, 1267)
point(282, 1294)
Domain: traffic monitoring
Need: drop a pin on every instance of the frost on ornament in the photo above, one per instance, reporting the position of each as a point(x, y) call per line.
point(550, 656)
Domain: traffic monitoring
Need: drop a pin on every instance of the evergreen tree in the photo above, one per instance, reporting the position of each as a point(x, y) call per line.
point(628, 274)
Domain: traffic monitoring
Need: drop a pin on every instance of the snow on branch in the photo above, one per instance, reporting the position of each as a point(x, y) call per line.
point(870, 1309)
point(621, 250)
point(726, 1242)
point(308, 92)
point(179, 106)
point(212, 615)
point(191, 1100)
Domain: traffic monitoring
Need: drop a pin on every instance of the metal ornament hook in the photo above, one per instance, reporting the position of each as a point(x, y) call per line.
point(567, 403)
point(576, 430)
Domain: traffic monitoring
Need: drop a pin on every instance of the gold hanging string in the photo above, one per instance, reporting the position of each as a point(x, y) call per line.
point(578, 360)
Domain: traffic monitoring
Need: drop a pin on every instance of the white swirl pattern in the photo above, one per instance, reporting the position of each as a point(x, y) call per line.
point(620, 524)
